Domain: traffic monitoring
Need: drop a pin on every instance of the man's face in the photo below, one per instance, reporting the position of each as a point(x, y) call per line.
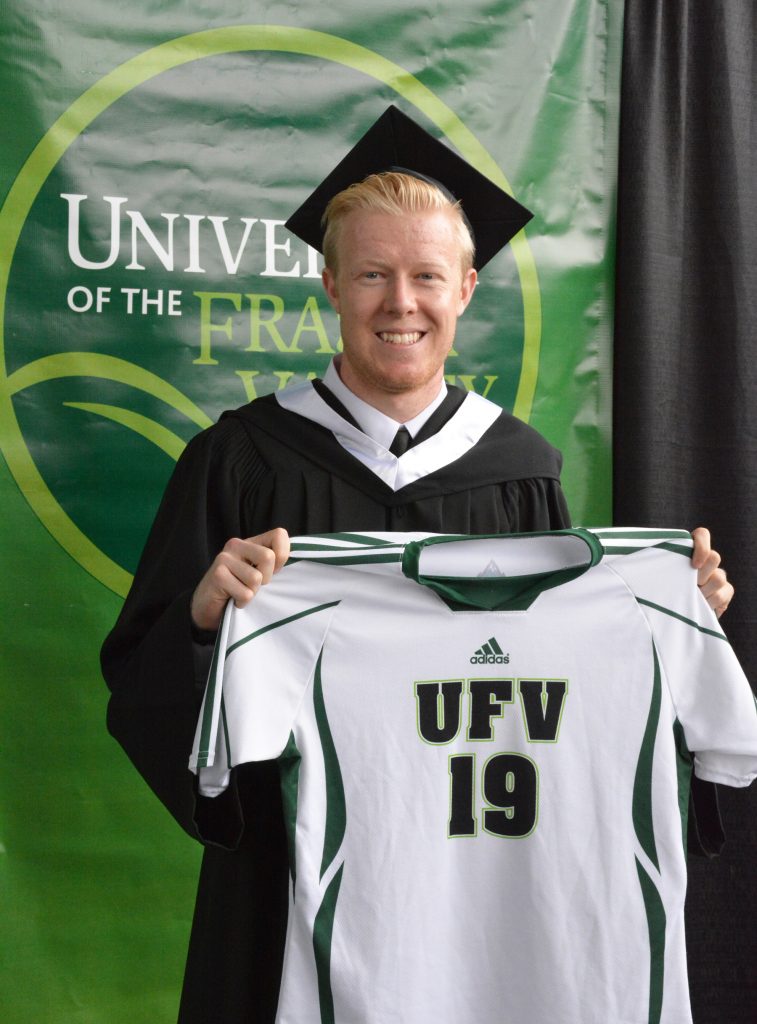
point(399, 290)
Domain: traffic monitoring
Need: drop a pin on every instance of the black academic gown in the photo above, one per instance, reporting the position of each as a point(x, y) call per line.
point(259, 467)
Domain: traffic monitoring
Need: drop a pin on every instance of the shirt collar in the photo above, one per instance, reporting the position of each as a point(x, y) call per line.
point(377, 425)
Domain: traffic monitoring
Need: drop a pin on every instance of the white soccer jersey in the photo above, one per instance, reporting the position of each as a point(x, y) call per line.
point(483, 747)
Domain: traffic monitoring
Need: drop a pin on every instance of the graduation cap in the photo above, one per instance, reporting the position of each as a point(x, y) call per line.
point(396, 143)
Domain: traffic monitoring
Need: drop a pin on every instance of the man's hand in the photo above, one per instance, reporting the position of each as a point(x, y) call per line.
point(710, 577)
point(238, 572)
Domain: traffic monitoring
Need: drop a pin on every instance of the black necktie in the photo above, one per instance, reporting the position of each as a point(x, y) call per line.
point(401, 442)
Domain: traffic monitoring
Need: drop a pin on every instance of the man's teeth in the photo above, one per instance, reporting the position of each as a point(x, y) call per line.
point(404, 338)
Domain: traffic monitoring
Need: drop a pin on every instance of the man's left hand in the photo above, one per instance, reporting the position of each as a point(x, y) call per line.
point(711, 578)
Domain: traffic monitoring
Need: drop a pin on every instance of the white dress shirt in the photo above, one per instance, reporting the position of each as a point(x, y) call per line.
point(375, 424)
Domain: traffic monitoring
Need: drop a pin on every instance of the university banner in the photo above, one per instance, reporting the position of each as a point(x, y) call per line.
point(149, 157)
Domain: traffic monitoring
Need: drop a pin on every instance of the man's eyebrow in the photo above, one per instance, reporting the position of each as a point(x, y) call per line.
point(424, 263)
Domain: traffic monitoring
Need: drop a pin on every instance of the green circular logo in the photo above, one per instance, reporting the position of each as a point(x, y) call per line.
point(138, 292)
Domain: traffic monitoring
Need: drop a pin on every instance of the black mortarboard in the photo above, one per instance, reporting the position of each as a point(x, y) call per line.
point(395, 142)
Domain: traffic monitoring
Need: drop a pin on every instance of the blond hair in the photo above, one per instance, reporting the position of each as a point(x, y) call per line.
point(398, 194)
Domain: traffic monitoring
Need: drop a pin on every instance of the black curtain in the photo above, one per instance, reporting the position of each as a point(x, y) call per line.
point(685, 391)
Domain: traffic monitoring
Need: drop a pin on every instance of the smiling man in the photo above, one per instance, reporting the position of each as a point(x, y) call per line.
point(398, 287)
point(399, 284)
point(380, 444)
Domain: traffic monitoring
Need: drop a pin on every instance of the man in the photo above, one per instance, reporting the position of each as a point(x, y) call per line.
point(400, 269)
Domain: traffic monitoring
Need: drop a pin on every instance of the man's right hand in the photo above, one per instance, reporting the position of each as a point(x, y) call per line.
point(238, 572)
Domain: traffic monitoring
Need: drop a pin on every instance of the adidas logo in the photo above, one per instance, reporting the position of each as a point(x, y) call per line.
point(492, 569)
point(490, 653)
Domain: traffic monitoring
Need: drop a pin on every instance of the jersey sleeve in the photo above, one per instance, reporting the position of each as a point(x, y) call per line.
point(262, 668)
point(710, 693)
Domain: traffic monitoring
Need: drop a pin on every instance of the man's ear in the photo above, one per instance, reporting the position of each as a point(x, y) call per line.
point(329, 286)
point(467, 288)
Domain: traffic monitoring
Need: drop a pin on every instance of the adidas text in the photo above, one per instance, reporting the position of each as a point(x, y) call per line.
point(490, 659)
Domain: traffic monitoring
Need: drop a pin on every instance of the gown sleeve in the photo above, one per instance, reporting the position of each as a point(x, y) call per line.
point(148, 660)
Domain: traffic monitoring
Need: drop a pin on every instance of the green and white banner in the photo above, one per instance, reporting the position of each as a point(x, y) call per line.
point(148, 159)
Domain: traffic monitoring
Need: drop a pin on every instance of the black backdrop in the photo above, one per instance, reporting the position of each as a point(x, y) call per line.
point(685, 419)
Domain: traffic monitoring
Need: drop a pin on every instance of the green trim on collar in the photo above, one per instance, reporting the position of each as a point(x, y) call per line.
point(499, 593)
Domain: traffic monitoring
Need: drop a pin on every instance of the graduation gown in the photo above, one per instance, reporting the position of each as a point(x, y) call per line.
point(262, 466)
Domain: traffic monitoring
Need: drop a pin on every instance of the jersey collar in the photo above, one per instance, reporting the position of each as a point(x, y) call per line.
point(487, 572)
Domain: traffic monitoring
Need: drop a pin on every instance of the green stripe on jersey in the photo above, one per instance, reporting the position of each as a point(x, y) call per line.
point(684, 765)
point(323, 927)
point(336, 556)
point(225, 731)
point(281, 622)
point(354, 538)
point(656, 924)
point(643, 821)
point(682, 618)
point(289, 773)
point(336, 808)
point(619, 533)
point(207, 719)
point(676, 549)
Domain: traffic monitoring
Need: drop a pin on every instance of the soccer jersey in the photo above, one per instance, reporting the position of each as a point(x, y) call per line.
point(483, 746)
